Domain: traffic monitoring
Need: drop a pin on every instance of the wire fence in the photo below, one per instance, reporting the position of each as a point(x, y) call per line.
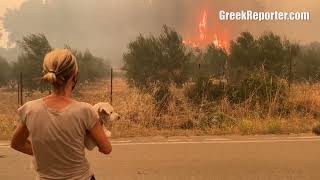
point(114, 72)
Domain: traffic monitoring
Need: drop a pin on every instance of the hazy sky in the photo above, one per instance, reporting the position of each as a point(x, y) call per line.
point(107, 26)
point(4, 5)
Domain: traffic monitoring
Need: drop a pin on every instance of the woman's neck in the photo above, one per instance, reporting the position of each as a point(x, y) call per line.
point(62, 93)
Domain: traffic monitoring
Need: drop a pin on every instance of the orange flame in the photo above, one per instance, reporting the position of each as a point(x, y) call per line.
point(203, 26)
point(204, 36)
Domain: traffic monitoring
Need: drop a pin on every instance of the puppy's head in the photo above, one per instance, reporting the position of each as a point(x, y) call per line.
point(106, 112)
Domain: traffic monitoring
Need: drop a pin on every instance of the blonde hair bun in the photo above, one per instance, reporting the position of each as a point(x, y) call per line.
point(58, 66)
point(50, 77)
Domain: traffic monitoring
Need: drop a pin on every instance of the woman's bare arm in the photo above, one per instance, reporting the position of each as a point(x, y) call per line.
point(101, 139)
point(20, 140)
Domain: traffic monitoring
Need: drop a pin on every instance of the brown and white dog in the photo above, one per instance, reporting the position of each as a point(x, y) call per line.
point(107, 116)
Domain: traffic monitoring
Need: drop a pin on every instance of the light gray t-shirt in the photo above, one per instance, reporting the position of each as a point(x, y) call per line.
point(57, 138)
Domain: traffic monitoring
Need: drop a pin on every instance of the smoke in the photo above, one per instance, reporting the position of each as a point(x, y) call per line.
point(106, 27)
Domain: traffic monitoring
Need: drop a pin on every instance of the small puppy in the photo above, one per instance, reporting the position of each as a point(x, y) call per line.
point(107, 115)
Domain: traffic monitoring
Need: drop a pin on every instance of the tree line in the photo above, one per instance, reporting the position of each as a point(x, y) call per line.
point(165, 58)
point(251, 65)
point(33, 48)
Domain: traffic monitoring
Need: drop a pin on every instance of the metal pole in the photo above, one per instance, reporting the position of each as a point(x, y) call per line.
point(290, 68)
point(21, 90)
point(199, 72)
point(18, 82)
point(111, 83)
point(226, 70)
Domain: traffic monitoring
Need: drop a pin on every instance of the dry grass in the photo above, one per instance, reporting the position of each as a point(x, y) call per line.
point(140, 116)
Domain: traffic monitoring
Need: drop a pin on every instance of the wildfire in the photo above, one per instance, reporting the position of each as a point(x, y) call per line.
point(203, 26)
point(205, 37)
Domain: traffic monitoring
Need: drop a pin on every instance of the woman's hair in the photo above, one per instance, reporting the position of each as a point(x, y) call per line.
point(58, 66)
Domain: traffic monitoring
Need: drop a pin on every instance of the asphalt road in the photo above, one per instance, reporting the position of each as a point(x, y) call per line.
point(193, 158)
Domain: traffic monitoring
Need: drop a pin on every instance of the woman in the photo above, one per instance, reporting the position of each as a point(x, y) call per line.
point(56, 125)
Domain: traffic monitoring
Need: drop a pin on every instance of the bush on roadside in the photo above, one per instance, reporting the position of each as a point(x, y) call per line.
point(189, 124)
point(316, 130)
point(217, 120)
point(161, 95)
point(205, 90)
point(274, 127)
point(246, 127)
point(260, 87)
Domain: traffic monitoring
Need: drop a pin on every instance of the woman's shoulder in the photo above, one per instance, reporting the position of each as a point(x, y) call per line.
point(30, 106)
point(32, 103)
point(83, 105)
point(84, 109)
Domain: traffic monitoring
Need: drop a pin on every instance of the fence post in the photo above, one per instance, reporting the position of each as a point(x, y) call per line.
point(21, 90)
point(226, 71)
point(111, 84)
point(18, 82)
point(290, 68)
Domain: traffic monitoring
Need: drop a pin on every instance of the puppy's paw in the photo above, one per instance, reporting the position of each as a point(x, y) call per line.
point(107, 132)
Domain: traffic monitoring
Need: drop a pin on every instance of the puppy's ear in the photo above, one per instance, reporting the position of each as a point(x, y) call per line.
point(104, 112)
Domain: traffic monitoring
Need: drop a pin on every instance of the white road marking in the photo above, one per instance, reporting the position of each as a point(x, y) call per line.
point(252, 138)
point(220, 142)
point(207, 141)
point(174, 140)
point(305, 137)
point(271, 138)
point(4, 144)
point(127, 141)
point(218, 139)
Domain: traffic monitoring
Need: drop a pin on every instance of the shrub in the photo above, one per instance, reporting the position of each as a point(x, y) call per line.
point(205, 90)
point(246, 127)
point(163, 58)
point(189, 124)
point(316, 130)
point(161, 94)
point(274, 127)
point(218, 120)
point(260, 87)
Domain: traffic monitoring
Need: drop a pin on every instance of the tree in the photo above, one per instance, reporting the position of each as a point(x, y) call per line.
point(244, 52)
point(307, 65)
point(214, 61)
point(244, 56)
point(292, 50)
point(151, 60)
point(90, 66)
point(34, 48)
point(272, 53)
point(269, 51)
point(5, 71)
